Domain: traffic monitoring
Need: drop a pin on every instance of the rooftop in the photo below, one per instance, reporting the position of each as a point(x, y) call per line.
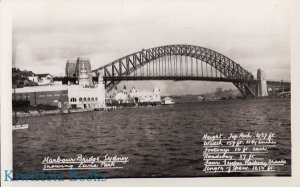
point(42, 75)
point(41, 88)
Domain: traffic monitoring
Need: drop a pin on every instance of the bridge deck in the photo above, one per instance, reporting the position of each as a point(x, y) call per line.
point(175, 78)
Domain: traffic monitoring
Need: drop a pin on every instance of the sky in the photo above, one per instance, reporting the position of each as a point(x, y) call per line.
point(253, 33)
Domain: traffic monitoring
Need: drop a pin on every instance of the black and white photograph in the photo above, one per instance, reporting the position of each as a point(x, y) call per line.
point(114, 89)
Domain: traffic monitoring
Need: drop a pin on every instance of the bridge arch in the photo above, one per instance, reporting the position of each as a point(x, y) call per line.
point(126, 68)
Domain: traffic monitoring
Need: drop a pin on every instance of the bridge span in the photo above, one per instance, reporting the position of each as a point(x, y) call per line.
point(184, 62)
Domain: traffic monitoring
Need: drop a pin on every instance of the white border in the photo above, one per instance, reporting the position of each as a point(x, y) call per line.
point(6, 131)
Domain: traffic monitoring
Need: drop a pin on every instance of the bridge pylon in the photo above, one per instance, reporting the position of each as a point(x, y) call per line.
point(261, 85)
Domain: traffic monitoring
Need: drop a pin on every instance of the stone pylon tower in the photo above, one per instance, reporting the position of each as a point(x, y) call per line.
point(262, 89)
point(101, 85)
point(83, 77)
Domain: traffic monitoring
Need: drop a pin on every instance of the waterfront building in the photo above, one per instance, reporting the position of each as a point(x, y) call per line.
point(122, 96)
point(168, 101)
point(145, 95)
point(85, 94)
point(45, 95)
point(137, 96)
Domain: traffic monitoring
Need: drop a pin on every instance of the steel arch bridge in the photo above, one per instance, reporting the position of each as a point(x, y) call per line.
point(178, 62)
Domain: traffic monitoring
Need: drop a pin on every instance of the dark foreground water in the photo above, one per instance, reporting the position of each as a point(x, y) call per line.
point(163, 141)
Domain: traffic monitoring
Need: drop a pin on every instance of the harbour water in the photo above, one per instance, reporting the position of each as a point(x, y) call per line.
point(161, 141)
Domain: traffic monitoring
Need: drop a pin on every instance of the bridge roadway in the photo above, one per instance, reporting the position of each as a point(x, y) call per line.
point(176, 78)
point(196, 78)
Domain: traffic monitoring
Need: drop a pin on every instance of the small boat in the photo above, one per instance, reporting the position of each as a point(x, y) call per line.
point(20, 126)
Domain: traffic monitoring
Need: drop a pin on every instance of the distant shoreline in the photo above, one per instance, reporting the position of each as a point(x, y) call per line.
point(27, 112)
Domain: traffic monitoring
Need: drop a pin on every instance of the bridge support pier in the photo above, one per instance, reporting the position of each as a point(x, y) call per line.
point(261, 86)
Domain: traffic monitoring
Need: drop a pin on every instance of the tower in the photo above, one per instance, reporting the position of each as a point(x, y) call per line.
point(79, 62)
point(100, 79)
point(83, 77)
point(262, 89)
point(70, 68)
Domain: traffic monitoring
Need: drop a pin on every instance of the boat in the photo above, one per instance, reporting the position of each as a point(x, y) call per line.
point(20, 126)
point(168, 101)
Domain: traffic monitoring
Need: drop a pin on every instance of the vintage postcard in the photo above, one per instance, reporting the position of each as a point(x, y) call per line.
point(124, 89)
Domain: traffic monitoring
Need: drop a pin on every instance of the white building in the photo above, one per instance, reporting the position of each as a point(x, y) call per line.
point(168, 101)
point(138, 96)
point(122, 97)
point(86, 95)
point(34, 78)
point(42, 79)
point(69, 96)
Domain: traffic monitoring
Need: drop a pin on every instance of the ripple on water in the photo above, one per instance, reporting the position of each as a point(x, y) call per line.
point(159, 141)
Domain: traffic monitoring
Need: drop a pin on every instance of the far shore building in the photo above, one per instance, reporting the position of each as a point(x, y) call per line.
point(84, 95)
point(137, 96)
